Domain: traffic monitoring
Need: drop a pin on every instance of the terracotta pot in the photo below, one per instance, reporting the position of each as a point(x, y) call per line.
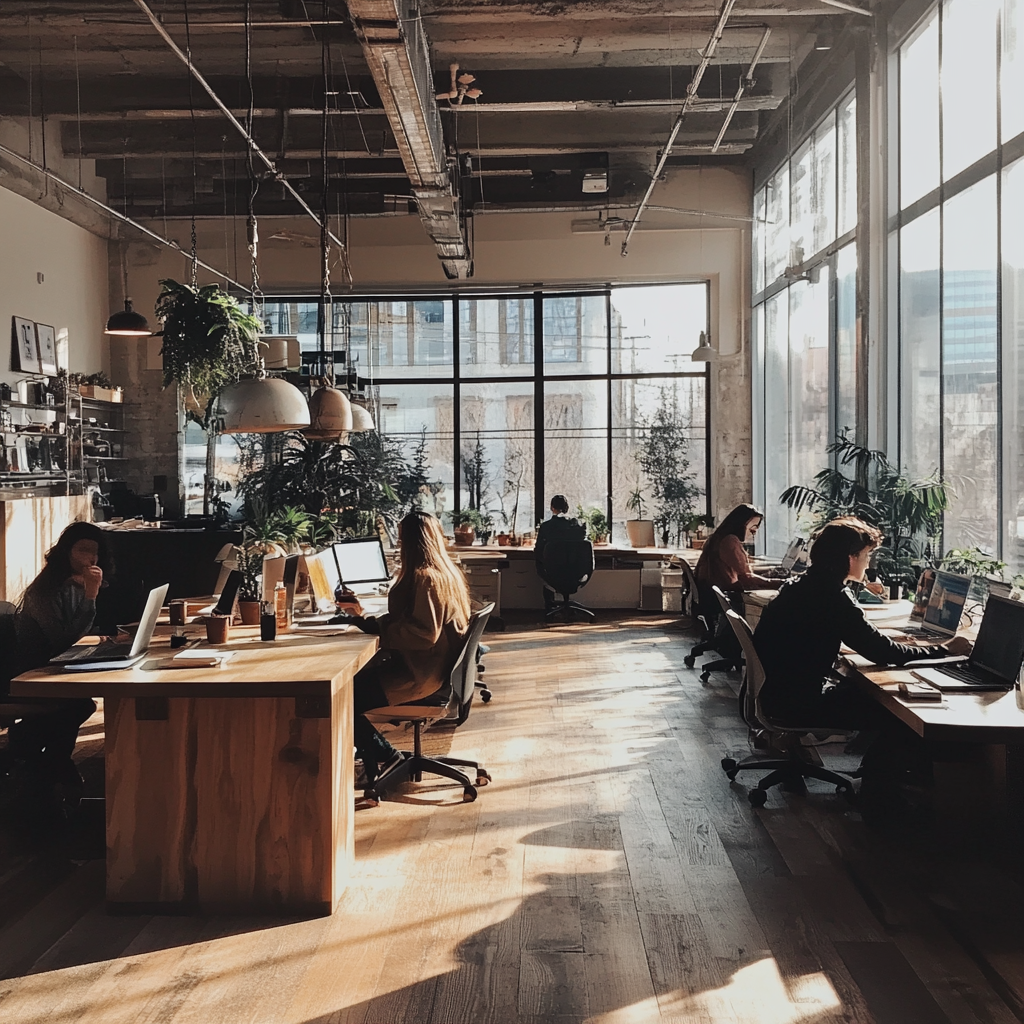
point(217, 628)
point(601, 538)
point(640, 533)
point(504, 540)
point(464, 536)
point(250, 612)
point(697, 542)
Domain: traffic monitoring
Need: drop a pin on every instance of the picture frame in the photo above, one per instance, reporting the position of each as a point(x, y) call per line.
point(24, 348)
point(46, 343)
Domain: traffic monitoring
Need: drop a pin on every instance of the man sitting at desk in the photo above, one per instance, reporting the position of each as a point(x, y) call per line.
point(798, 639)
point(556, 530)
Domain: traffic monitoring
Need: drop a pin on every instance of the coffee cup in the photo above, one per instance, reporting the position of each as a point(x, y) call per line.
point(178, 610)
point(217, 628)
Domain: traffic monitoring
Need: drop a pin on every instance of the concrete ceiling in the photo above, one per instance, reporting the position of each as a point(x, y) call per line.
point(567, 88)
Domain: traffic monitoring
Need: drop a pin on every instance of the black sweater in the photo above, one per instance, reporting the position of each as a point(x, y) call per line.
point(798, 639)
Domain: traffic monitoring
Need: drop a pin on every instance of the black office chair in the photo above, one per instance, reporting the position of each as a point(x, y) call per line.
point(565, 566)
point(798, 762)
point(701, 606)
point(453, 700)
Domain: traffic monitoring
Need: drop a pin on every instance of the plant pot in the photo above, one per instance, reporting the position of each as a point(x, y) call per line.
point(464, 536)
point(250, 612)
point(601, 538)
point(697, 542)
point(504, 540)
point(640, 533)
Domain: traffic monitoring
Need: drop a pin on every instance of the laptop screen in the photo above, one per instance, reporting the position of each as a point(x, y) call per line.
point(946, 601)
point(789, 559)
point(1000, 645)
point(147, 624)
point(361, 561)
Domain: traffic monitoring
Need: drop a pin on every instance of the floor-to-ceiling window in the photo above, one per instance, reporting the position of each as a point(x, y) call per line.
point(956, 211)
point(513, 398)
point(804, 316)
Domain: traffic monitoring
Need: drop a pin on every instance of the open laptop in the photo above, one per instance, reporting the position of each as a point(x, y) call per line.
point(997, 657)
point(793, 561)
point(361, 562)
point(109, 654)
point(945, 606)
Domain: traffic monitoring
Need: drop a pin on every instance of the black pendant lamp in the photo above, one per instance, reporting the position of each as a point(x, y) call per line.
point(128, 323)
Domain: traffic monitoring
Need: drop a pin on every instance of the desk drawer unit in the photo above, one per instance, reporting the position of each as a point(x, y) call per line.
point(484, 585)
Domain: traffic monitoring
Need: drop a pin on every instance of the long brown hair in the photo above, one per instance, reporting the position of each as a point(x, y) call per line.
point(425, 559)
point(57, 569)
point(733, 525)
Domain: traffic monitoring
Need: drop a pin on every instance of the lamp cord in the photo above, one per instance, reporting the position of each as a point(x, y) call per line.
point(194, 275)
point(326, 301)
point(252, 227)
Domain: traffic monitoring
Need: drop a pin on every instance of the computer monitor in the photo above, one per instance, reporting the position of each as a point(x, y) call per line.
point(923, 594)
point(946, 602)
point(361, 561)
point(1000, 645)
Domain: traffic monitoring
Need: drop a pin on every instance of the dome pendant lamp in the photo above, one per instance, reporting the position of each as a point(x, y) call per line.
point(261, 405)
point(362, 419)
point(330, 414)
point(128, 323)
point(703, 353)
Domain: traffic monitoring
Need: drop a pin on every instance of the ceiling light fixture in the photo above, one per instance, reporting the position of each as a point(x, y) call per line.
point(127, 323)
point(703, 353)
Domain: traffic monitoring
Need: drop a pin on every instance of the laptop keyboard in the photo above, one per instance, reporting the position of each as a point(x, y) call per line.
point(965, 673)
point(107, 650)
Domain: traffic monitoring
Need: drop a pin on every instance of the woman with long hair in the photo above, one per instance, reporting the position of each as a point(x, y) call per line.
point(723, 562)
point(57, 609)
point(428, 613)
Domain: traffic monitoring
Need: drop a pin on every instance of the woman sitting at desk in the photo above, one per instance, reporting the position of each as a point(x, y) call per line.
point(798, 639)
point(428, 613)
point(56, 611)
point(723, 562)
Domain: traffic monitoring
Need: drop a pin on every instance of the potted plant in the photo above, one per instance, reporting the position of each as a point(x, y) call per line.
point(695, 527)
point(466, 522)
point(596, 522)
point(639, 530)
point(249, 561)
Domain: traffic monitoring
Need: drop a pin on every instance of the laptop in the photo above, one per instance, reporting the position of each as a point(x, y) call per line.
point(793, 561)
point(945, 606)
point(109, 654)
point(361, 561)
point(997, 657)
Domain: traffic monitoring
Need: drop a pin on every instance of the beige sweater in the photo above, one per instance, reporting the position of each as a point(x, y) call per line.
point(423, 649)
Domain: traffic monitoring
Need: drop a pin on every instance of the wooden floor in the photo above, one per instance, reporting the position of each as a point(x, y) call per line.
point(608, 874)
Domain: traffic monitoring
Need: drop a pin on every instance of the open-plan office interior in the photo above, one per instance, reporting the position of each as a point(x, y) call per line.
point(662, 258)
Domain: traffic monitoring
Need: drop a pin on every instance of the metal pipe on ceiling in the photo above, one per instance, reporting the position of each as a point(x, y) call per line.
point(745, 82)
point(843, 6)
point(691, 95)
point(237, 125)
point(123, 218)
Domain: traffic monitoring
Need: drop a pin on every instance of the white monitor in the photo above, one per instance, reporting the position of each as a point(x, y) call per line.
point(361, 561)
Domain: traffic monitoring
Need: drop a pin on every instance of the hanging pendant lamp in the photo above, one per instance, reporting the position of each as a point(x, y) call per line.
point(703, 353)
point(261, 405)
point(128, 323)
point(362, 419)
point(330, 414)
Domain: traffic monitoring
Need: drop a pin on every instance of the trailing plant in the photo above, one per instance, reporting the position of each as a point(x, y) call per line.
point(596, 522)
point(661, 455)
point(865, 484)
point(209, 342)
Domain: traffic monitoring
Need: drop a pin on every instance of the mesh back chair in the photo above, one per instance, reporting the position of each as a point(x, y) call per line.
point(797, 763)
point(704, 613)
point(565, 566)
point(452, 700)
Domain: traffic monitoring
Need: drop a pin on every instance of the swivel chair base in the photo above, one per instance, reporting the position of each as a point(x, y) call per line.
point(413, 764)
point(567, 608)
point(789, 772)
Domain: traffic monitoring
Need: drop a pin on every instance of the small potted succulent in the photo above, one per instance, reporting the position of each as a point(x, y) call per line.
point(596, 522)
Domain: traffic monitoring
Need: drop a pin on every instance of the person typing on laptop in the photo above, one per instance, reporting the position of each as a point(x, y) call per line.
point(57, 609)
point(798, 639)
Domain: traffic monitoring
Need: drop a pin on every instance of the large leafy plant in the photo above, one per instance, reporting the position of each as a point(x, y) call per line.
point(209, 342)
point(865, 484)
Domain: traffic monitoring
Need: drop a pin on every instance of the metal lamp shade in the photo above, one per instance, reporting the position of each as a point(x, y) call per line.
point(361, 419)
point(262, 406)
point(703, 353)
point(128, 323)
point(330, 414)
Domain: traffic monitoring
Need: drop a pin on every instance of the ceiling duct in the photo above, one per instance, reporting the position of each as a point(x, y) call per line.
point(397, 52)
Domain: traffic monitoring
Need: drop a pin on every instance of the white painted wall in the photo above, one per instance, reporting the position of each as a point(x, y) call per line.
point(74, 292)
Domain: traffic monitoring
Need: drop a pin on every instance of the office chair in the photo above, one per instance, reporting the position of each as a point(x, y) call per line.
point(566, 566)
point(703, 614)
point(792, 769)
point(452, 700)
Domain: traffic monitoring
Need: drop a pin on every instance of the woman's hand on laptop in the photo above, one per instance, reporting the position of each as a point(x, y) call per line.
point(959, 645)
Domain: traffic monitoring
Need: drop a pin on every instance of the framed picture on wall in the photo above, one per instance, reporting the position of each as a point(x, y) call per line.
point(46, 339)
point(24, 351)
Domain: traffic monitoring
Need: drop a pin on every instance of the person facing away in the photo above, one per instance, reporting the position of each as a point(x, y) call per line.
point(798, 638)
point(559, 528)
point(427, 617)
point(55, 612)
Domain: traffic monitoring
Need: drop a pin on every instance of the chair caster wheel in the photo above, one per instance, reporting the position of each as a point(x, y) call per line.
point(468, 795)
point(482, 777)
point(705, 678)
point(728, 765)
point(757, 797)
point(845, 791)
point(485, 696)
point(689, 661)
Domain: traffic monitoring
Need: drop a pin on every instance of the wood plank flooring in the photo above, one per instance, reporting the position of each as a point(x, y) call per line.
point(609, 874)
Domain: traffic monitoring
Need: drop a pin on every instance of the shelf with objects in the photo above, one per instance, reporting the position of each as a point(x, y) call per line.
point(37, 447)
point(98, 427)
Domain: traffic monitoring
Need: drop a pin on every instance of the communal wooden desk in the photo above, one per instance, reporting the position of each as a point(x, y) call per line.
point(227, 789)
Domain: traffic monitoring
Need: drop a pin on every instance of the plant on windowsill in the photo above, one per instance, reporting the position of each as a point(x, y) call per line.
point(865, 484)
point(696, 529)
point(596, 522)
point(639, 530)
point(467, 523)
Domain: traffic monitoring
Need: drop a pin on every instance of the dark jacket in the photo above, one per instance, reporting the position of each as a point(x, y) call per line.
point(798, 638)
point(48, 626)
point(556, 529)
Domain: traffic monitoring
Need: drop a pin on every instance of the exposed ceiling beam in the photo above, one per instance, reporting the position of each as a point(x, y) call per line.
point(398, 56)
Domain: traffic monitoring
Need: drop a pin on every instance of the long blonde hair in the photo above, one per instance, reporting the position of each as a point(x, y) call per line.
point(425, 558)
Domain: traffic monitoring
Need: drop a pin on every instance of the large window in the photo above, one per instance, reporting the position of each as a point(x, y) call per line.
point(513, 398)
point(957, 391)
point(805, 316)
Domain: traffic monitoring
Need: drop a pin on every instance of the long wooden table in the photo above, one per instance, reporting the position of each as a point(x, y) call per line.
point(227, 789)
